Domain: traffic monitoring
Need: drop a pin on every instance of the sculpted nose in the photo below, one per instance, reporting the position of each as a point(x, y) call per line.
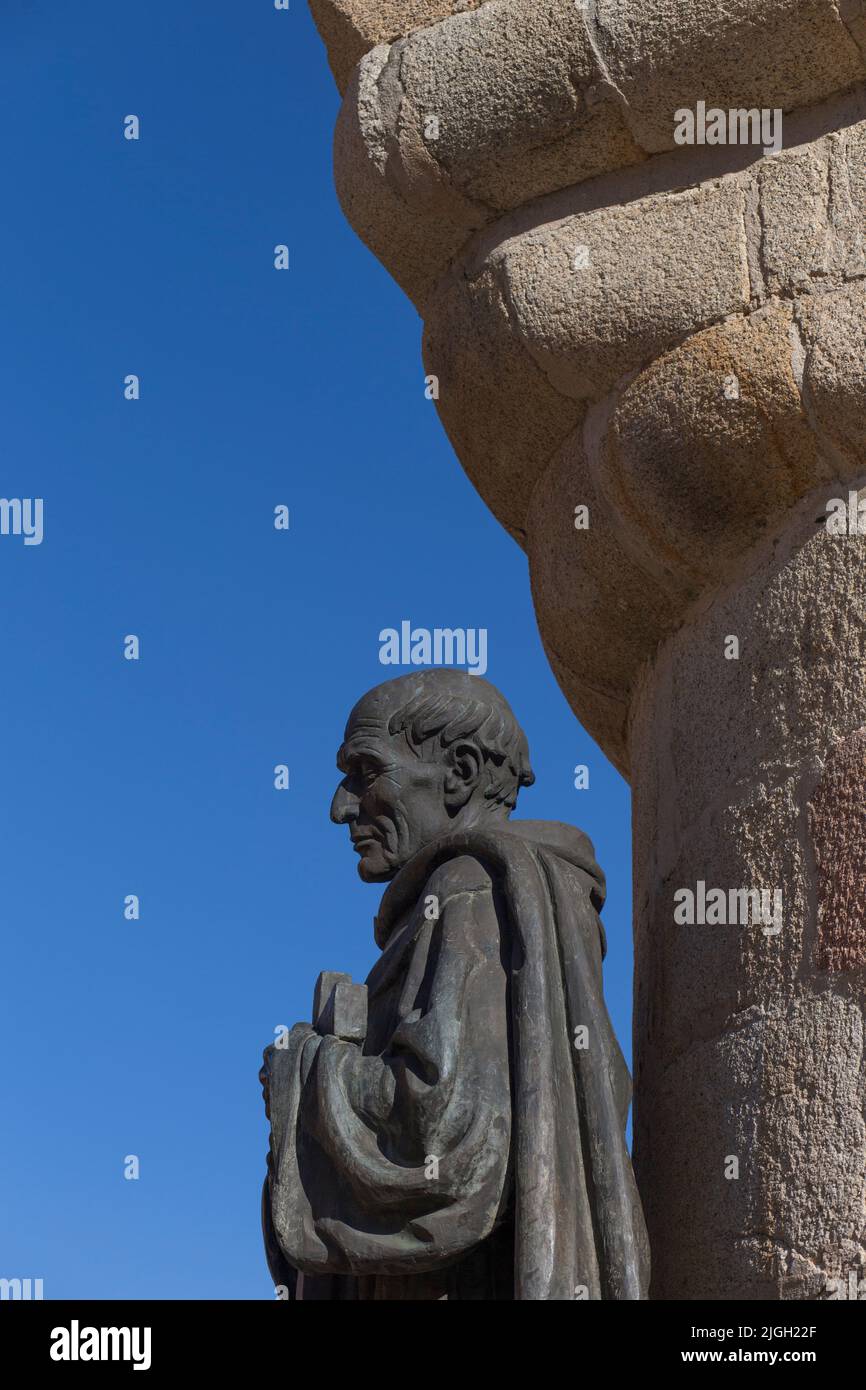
point(344, 806)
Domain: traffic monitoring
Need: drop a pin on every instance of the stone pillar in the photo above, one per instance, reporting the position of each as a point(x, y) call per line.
point(752, 773)
point(672, 337)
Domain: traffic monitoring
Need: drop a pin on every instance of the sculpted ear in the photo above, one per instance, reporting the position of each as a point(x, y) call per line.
point(463, 773)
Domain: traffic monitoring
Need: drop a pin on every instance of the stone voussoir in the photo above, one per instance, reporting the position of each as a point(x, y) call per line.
point(585, 291)
point(493, 107)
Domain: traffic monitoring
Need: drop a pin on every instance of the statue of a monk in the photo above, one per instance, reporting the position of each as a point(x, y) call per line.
point(471, 1144)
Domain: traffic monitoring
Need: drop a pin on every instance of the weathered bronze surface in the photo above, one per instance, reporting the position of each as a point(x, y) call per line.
point(455, 1128)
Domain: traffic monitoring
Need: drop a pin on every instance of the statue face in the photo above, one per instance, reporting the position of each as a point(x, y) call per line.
point(392, 802)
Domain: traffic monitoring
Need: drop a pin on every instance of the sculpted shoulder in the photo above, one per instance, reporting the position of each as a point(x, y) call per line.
point(463, 874)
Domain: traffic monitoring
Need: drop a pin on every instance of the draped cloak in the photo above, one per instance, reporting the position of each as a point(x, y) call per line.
point(483, 1119)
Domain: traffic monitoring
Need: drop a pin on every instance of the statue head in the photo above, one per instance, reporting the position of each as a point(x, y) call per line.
point(428, 753)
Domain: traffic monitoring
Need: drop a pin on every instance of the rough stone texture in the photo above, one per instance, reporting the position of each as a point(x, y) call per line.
point(706, 447)
point(838, 827)
point(751, 1045)
point(661, 266)
point(385, 198)
point(535, 120)
point(666, 54)
point(680, 480)
point(503, 415)
point(834, 384)
point(674, 337)
point(526, 105)
point(587, 327)
point(350, 28)
point(580, 579)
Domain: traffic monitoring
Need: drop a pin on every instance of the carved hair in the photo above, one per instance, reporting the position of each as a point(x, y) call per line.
point(475, 711)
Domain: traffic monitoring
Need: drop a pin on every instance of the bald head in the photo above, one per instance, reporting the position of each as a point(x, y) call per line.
point(429, 752)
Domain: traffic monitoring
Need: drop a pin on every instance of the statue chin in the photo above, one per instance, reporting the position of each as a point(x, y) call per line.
point(375, 867)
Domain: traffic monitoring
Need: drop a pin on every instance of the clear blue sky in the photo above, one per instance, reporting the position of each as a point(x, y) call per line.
point(258, 387)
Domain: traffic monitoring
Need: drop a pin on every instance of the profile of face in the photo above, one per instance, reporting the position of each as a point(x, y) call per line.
point(393, 801)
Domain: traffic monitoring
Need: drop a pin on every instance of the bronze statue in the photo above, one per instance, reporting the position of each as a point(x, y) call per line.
point(455, 1128)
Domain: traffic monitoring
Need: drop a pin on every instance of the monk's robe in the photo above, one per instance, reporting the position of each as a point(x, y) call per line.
point(468, 1149)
